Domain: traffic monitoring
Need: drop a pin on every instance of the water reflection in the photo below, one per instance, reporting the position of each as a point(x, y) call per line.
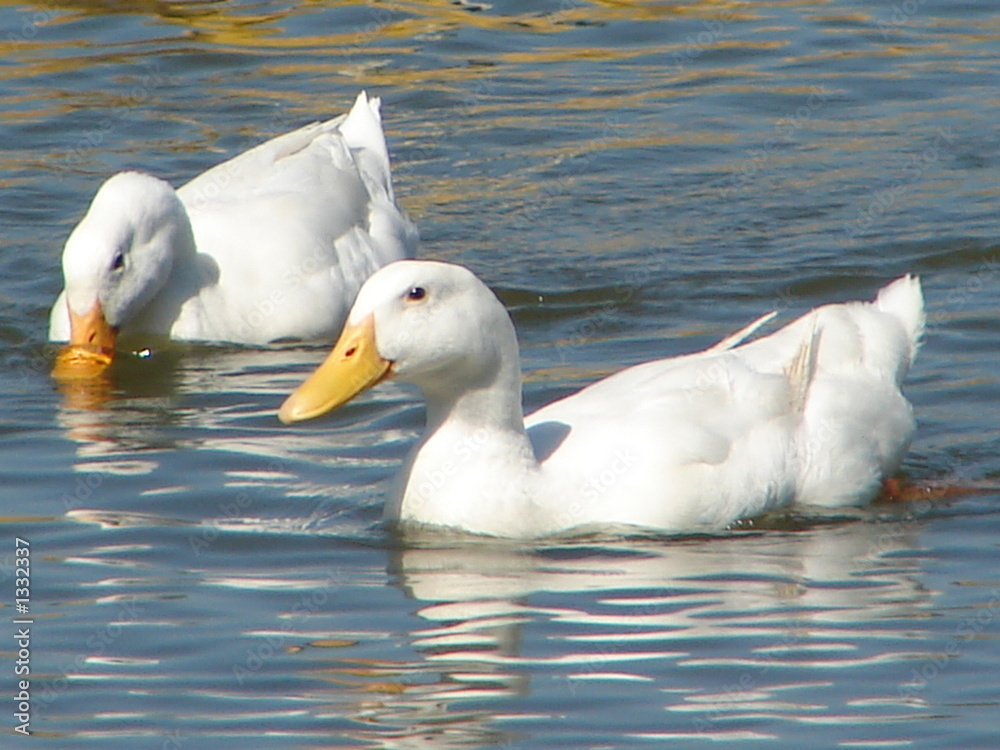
point(721, 634)
point(87, 395)
point(154, 390)
point(196, 427)
point(735, 628)
point(121, 409)
point(631, 173)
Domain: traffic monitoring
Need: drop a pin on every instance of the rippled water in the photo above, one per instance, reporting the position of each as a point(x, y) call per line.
point(636, 179)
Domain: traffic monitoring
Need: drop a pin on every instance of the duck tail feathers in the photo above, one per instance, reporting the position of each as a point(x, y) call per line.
point(904, 300)
point(362, 128)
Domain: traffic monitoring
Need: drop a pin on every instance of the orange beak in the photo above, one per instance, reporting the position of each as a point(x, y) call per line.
point(91, 345)
point(353, 366)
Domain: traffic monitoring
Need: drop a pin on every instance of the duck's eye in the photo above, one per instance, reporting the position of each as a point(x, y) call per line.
point(416, 293)
point(118, 262)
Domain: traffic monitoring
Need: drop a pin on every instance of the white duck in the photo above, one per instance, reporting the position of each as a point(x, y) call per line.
point(811, 413)
point(272, 244)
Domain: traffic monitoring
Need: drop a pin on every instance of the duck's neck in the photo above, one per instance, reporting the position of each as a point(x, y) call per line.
point(494, 406)
point(475, 463)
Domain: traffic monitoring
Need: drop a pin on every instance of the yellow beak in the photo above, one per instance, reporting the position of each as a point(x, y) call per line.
point(353, 366)
point(91, 345)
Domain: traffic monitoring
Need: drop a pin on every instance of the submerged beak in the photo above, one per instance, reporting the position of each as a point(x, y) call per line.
point(91, 345)
point(353, 366)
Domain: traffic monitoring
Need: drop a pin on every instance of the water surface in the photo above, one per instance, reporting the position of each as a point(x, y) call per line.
point(636, 180)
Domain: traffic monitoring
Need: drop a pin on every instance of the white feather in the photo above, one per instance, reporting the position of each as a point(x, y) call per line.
point(811, 413)
point(271, 244)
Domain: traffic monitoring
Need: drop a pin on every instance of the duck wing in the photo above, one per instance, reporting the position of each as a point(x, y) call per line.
point(810, 413)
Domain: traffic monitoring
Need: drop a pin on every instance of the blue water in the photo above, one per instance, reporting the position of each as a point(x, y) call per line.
point(636, 180)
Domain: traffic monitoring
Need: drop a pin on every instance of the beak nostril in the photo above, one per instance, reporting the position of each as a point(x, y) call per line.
point(350, 352)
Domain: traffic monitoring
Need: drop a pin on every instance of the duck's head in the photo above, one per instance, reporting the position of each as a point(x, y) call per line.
point(117, 258)
point(431, 324)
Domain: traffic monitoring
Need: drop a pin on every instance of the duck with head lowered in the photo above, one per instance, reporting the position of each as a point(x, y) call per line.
point(272, 244)
point(811, 413)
